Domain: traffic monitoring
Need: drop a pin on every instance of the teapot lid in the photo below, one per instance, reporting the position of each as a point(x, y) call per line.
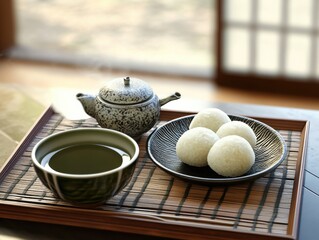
point(126, 91)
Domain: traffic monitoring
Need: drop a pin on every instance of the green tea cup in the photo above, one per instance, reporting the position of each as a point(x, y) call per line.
point(85, 166)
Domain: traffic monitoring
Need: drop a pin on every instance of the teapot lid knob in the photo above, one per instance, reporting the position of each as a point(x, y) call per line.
point(127, 81)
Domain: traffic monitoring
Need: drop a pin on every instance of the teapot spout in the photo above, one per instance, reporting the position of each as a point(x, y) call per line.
point(174, 96)
point(88, 103)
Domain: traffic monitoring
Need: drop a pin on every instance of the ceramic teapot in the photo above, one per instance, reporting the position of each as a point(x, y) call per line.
point(125, 104)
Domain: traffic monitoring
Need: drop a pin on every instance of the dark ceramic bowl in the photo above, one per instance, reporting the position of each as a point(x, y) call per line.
point(92, 188)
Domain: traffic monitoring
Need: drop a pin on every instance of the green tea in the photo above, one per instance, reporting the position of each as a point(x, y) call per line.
point(85, 159)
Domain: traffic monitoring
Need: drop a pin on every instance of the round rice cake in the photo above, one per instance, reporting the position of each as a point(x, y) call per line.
point(211, 118)
point(193, 146)
point(238, 128)
point(231, 156)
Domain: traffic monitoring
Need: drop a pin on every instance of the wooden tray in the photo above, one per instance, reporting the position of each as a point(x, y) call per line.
point(158, 204)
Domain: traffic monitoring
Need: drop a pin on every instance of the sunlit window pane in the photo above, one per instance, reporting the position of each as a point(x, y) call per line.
point(269, 12)
point(238, 11)
point(268, 51)
point(300, 13)
point(237, 49)
point(298, 55)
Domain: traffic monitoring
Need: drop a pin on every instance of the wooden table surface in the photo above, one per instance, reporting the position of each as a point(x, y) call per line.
point(309, 218)
point(26, 89)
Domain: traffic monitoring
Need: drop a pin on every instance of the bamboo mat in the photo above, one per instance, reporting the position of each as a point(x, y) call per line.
point(260, 206)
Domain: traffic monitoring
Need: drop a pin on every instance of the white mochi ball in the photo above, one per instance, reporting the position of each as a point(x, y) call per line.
point(193, 146)
point(238, 128)
point(231, 156)
point(211, 118)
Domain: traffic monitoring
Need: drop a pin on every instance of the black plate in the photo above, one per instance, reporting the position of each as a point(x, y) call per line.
point(270, 151)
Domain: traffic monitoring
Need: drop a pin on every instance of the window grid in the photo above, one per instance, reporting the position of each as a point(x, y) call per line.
point(278, 33)
point(253, 27)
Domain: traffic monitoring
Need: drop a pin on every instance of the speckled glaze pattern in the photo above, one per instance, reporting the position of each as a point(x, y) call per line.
point(134, 120)
point(117, 92)
point(125, 104)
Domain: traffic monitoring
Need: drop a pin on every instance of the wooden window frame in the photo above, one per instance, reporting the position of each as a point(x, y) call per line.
point(7, 25)
point(254, 81)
